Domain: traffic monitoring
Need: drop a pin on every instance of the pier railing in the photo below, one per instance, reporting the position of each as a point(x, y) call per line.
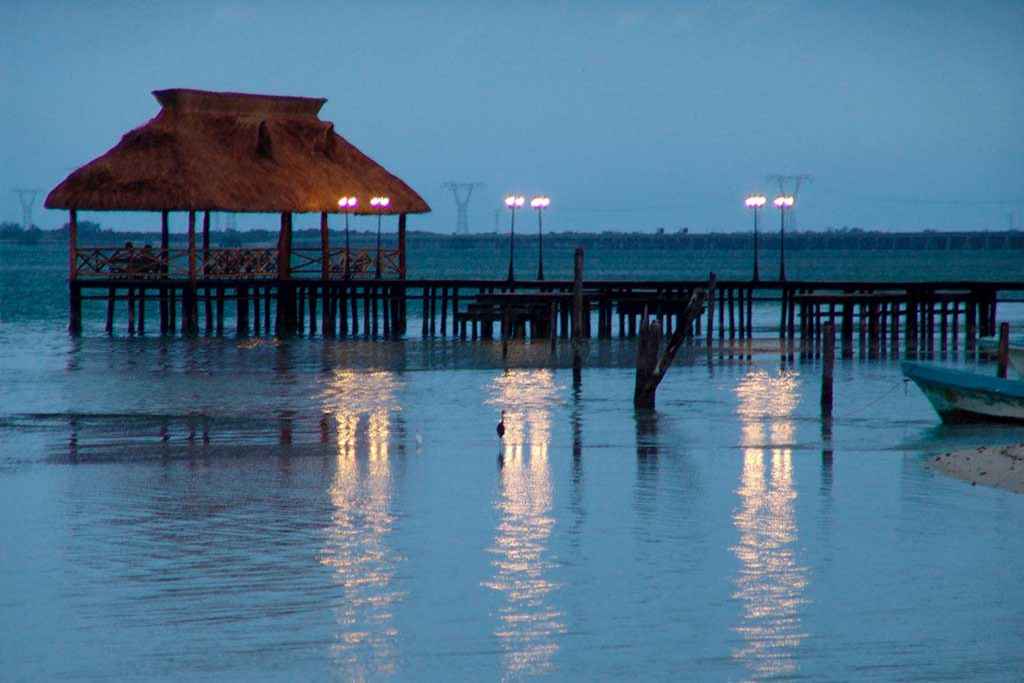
point(221, 263)
point(130, 262)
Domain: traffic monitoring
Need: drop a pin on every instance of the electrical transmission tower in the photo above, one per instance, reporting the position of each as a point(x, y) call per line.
point(28, 200)
point(461, 203)
point(794, 181)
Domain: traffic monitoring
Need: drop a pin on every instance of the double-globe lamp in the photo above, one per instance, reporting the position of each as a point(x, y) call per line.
point(379, 203)
point(783, 202)
point(540, 203)
point(755, 202)
point(513, 202)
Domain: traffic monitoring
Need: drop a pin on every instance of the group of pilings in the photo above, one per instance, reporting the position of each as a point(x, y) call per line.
point(371, 307)
point(883, 322)
point(883, 317)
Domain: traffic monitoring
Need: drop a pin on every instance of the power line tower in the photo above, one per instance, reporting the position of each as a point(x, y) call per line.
point(461, 203)
point(794, 181)
point(28, 200)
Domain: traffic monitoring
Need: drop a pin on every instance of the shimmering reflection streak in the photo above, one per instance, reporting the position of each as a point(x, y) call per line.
point(770, 582)
point(356, 545)
point(529, 623)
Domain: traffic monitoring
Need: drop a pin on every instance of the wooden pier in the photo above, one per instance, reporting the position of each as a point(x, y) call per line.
point(879, 318)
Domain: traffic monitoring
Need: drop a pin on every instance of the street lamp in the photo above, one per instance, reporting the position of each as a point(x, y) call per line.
point(380, 203)
point(347, 204)
point(755, 202)
point(783, 202)
point(513, 202)
point(540, 203)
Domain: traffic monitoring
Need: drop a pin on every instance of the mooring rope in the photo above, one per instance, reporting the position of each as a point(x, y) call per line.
point(893, 388)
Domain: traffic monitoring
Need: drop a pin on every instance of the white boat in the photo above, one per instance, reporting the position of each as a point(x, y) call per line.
point(1017, 358)
point(961, 396)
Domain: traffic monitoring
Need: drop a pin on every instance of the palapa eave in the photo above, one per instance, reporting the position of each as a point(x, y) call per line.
point(233, 152)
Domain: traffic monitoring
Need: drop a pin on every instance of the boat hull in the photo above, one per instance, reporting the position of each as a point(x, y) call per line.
point(960, 396)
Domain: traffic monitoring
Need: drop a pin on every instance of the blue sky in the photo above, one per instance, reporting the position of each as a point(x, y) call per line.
point(630, 115)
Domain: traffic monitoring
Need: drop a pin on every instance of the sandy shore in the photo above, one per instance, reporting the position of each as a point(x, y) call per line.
point(1000, 467)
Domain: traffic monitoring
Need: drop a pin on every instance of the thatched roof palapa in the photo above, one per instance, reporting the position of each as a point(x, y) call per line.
point(235, 152)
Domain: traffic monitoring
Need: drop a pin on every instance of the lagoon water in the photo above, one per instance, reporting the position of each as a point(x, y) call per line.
point(310, 509)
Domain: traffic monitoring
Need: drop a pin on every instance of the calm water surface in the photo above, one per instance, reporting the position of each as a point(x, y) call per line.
point(234, 509)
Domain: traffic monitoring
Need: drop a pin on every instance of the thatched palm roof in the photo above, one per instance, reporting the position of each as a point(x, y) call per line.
point(210, 151)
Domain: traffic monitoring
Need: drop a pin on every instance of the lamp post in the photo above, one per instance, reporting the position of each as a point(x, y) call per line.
point(755, 202)
point(513, 202)
point(380, 203)
point(347, 204)
point(540, 203)
point(783, 202)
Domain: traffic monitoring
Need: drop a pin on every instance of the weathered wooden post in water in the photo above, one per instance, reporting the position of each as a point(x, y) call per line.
point(828, 358)
point(649, 369)
point(712, 282)
point(1004, 349)
point(577, 315)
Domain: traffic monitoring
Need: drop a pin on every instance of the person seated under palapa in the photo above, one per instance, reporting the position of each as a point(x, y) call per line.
point(121, 260)
point(149, 264)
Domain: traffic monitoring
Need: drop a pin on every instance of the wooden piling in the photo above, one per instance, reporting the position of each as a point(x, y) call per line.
point(827, 366)
point(1004, 350)
point(712, 284)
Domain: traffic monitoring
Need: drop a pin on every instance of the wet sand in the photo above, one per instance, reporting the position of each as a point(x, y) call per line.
point(1000, 467)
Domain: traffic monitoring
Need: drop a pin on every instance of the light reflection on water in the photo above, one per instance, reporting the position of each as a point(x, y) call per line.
point(771, 582)
point(357, 547)
point(530, 619)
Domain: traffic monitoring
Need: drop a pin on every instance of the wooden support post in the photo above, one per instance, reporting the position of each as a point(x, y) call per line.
point(444, 311)
point(971, 324)
point(955, 336)
point(721, 315)
point(208, 305)
point(165, 241)
point(142, 309)
point(783, 295)
point(943, 326)
point(827, 364)
point(455, 311)
point(1004, 350)
point(894, 329)
point(131, 310)
point(577, 295)
point(242, 310)
point(110, 310)
point(712, 283)
point(367, 329)
point(792, 315)
point(74, 289)
point(750, 313)
point(732, 313)
point(403, 265)
point(286, 319)
point(220, 310)
point(172, 308)
point(257, 317)
point(189, 305)
point(374, 301)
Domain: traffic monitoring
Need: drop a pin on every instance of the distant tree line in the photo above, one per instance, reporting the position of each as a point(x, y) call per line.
point(92, 234)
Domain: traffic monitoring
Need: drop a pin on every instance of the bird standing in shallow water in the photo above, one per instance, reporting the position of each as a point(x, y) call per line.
point(501, 426)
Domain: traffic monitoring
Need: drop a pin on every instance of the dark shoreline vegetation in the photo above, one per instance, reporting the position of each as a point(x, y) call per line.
point(92, 234)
